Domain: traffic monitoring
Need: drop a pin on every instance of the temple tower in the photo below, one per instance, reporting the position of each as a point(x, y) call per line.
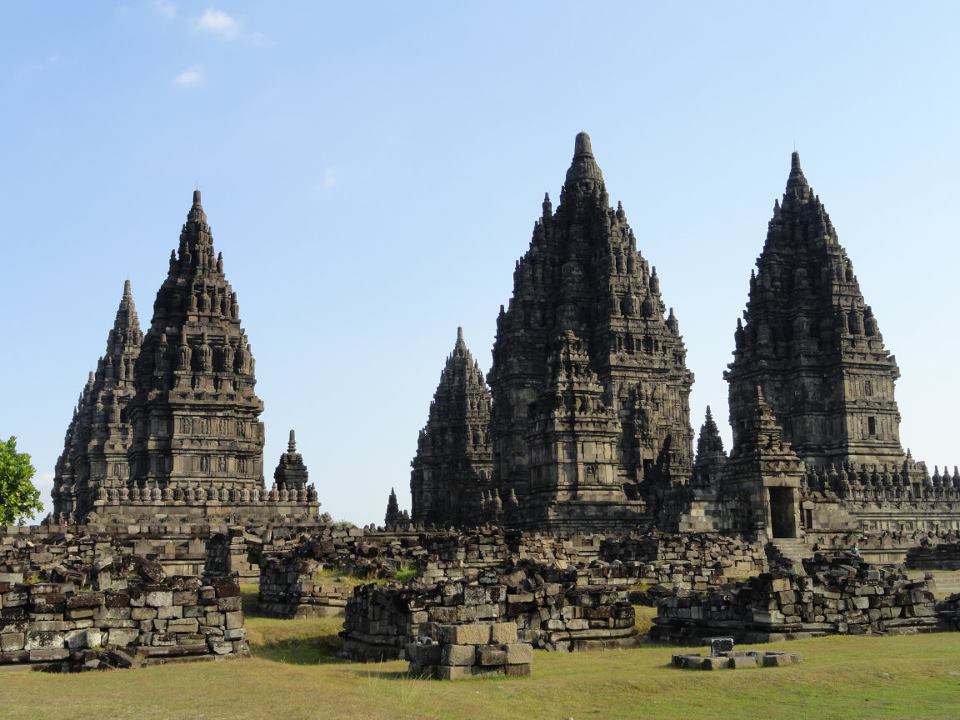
point(762, 478)
point(453, 466)
point(195, 414)
point(291, 474)
point(813, 344)
point(584, 292)
point(98, 438)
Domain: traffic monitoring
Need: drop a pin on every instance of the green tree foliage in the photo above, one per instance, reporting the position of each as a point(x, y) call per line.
point(19, 499)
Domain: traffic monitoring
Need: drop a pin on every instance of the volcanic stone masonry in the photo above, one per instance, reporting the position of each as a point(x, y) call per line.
point(589, 383)
point(169, 423)
point(590, 415)
point(837, 594)
point(95, 448)
point(99, 609)
point(451, 478)
point(816, 443)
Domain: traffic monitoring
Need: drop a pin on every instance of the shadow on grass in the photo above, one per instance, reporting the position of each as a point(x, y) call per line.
point(319, 650)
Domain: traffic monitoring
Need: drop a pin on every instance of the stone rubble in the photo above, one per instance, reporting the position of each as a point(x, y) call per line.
point(455, 652)
point(839, 594)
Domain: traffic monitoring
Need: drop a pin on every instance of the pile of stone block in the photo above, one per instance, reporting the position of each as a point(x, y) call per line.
point(115, 612)
point(550, 610)
point(948, 612)
point(839, 594)
point(734, 660)
point(293, 587)
point(454, 652)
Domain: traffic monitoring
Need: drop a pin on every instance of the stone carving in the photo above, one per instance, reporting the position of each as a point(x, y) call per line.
point(452, 470)
point(95, 448)
point(291, 473)
point(812, 343)
point(165, 394)
point(584, 295)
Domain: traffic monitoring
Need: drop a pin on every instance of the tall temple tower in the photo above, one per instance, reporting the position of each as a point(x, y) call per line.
point(451, 478)
point(95, 448)
point(195, 415)
point(812, 344)
point(590, 416)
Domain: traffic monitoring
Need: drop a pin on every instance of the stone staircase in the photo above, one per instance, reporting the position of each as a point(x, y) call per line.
point(795, 549)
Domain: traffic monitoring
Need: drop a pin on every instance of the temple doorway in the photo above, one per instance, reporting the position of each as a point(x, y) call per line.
point(783, 519)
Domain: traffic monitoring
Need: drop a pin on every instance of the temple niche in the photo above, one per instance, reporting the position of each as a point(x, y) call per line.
point(450, 481)
point(590, 419)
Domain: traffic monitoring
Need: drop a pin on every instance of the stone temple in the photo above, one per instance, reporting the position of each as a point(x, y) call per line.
point(451, 478)
point(590, 425)
point(590, 387)
point(169, 423)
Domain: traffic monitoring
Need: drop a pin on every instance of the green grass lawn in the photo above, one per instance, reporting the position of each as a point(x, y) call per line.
point(293, 676)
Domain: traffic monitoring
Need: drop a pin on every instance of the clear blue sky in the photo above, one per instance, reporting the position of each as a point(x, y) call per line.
point(372, 171)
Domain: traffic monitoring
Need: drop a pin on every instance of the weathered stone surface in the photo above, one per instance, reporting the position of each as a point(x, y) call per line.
point(451, 478)
point(170, 420)
point(586, 364)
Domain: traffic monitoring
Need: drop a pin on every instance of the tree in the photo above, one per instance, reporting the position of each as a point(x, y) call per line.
point(19, 499)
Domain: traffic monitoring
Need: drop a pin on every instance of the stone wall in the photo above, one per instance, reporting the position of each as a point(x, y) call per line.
point(839, 594)
point(692, 561)
point(93, 609)
point(948, 612)
point(292, 587)
point(551, 611)
point(935, 557)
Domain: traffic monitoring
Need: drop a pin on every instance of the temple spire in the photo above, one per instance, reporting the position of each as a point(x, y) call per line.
point(797, 185)
point(584, 166)
point(292, 443)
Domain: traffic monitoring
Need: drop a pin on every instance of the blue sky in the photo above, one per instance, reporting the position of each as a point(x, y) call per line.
point(372, 172)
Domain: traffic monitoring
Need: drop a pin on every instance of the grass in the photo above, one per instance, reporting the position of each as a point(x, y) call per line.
point(293, 676)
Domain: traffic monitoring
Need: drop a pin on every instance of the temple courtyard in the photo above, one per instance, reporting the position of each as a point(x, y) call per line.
point(294, 675)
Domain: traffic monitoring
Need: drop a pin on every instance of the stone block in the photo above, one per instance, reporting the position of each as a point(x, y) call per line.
point(458, 655)
point(467, 634)
point(88, 638)
point(503, 632)
point(143, 613)
point(230, 604)
point(48, 654)
point(11, 641)
point(738, 662)
point(776, 659)
point(41, 640)
point(491, 655)
point(454, 672)
point(519, 653)
point(233, 620)
point(183, 625)
point(517, 670)
point(168, 612)
point(121, 637)
point(159, 598)
point(715, 663)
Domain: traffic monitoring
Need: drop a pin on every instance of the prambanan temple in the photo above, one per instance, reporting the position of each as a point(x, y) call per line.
point(588, 404)
point(168, 425)
point(583, 422)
